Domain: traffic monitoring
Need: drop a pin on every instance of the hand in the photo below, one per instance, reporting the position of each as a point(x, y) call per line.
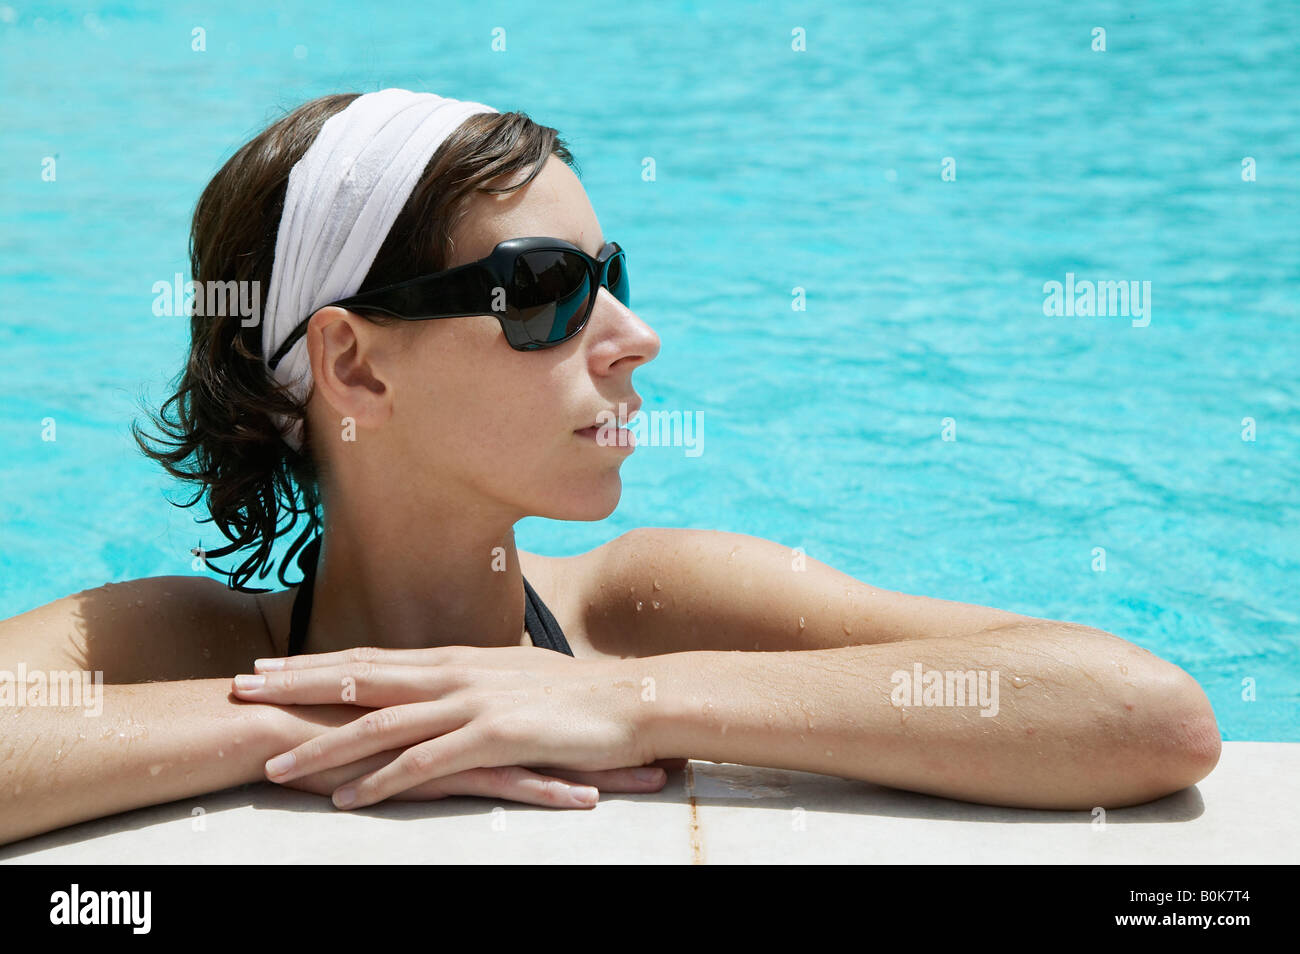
point(553, 788)
point(455, 709)
point(549, 787)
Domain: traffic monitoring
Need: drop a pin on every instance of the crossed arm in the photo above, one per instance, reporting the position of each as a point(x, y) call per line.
point(740, 651)
point(945, 698)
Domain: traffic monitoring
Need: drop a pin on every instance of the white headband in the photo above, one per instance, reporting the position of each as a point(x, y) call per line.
point(343, 196)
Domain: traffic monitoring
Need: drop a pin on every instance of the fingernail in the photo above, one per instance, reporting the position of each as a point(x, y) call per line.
point(586, 795)
point(250, 682)
point(280, 764)
point(650, 775)
point(345, 797)
point(268, 664)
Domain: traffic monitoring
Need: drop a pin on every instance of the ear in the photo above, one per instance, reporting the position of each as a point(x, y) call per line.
point(341, 347)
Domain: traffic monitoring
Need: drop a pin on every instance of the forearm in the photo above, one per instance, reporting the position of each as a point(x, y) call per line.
point(151, 743)
point(1078, 718)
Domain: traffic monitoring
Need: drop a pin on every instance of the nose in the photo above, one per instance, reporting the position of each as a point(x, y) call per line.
point(621, 341)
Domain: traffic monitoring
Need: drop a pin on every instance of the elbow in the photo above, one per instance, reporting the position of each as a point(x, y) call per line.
point(1178, 744)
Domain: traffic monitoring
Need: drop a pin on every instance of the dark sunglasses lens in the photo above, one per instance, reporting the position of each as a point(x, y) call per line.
point(549, 297)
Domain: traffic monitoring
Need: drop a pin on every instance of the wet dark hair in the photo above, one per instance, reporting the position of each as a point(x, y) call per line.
point(217, 431)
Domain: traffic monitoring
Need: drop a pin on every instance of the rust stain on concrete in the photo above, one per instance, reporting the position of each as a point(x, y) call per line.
point(697, 840)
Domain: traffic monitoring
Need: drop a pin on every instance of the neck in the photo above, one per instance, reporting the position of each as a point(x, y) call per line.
point(401, 573)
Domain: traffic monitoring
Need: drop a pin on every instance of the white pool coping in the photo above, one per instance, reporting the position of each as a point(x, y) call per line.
point(1243, 813)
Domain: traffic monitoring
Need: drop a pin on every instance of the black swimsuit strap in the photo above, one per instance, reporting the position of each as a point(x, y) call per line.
point(541, 625)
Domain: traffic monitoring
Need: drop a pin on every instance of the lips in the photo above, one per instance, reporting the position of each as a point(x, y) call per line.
point(609, 420)
point(622, 437)
point(610, 416)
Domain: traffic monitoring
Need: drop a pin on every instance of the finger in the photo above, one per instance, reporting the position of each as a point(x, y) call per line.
point(631, 776)
point(514, 783)
point(374, 685)
point(325, 782)
point(377, 730)
point(633, 779)
point(456, 751)
point(359, 654)
point(509, 782)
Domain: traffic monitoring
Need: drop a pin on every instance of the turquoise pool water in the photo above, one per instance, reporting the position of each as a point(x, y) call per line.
point(775, 169)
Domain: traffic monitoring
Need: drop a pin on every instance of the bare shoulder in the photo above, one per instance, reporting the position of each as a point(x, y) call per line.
point(160, 628)
point(659, 590)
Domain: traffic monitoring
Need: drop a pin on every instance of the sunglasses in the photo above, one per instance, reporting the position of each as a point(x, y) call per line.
point(540, 290)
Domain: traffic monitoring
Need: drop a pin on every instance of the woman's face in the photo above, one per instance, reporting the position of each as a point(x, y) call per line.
point(483, 420)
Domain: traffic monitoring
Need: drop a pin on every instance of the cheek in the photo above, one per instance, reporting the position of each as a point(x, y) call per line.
point(473, 416)
point(502, 421)
point(482, 414)
point(515, 444)
point(505, 432)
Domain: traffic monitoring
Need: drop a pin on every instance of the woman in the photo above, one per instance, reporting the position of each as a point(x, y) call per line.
point(441, 344)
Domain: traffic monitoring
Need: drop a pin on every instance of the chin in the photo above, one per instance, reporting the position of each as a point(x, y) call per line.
point(589, 500)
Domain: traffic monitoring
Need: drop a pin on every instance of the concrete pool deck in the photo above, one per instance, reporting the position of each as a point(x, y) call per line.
point(1243, 813)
